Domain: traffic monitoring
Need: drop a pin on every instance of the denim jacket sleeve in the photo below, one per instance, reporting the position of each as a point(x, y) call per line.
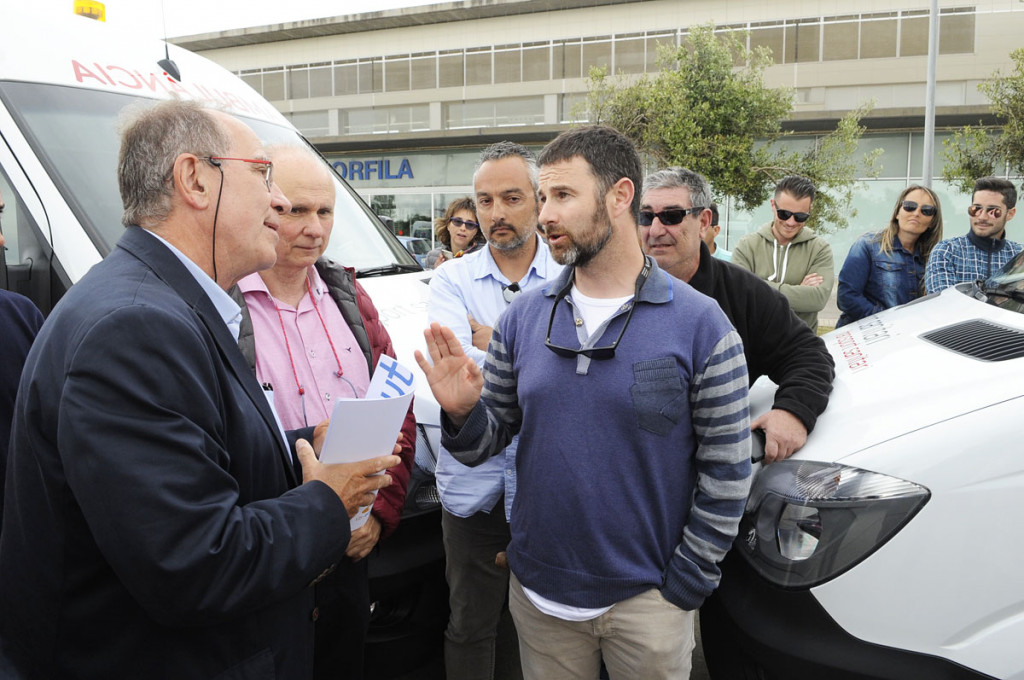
point(853, 280)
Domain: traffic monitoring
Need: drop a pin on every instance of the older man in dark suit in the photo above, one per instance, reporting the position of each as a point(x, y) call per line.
point(156, 524)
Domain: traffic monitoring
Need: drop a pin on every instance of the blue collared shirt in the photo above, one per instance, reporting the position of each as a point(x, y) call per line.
point(473, 285)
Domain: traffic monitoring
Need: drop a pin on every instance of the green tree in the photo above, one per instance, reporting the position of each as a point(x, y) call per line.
point(708, 109)
point(979, 151)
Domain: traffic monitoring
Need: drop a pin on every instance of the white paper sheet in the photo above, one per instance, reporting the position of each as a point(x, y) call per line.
point(369, 427)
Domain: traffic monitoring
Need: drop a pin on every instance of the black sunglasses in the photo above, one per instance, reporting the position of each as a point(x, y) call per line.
point(669, 217)
point(926, 210)
point(786, 214)
point(510, 292)
point(469, 224)
point(994, 211)
point(608, 351)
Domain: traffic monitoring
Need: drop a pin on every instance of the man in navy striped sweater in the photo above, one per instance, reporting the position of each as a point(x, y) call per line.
point(629, 392)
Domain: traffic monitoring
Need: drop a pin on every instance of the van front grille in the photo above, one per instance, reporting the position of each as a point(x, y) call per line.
point(980, 339)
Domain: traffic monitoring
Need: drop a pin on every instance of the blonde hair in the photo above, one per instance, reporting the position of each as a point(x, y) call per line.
point(928, 239)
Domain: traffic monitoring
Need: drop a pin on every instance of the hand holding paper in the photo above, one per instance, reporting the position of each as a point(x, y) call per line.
point(355, 483)
point(363, 428)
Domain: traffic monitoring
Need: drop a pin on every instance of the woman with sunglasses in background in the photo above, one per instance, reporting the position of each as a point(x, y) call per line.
point(458, 231)
point(886, 268)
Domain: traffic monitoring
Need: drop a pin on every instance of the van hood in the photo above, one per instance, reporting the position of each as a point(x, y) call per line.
point(888, 372)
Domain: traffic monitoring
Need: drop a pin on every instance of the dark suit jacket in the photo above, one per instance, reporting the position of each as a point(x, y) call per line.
point(154, 526)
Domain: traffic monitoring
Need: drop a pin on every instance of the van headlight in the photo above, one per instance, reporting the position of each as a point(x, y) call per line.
point(807, 522)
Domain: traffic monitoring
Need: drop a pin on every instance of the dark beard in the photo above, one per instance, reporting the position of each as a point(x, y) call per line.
point(581, 253)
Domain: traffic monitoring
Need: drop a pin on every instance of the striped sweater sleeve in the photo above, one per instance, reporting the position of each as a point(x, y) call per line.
point(496, 418)
point(719, 408)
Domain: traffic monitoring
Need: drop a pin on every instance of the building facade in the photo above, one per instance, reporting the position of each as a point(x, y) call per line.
point(402, 101)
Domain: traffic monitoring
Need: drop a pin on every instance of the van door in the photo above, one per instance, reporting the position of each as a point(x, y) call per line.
point(27, 254)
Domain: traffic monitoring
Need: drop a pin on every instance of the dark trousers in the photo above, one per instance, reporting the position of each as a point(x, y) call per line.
point(478, 590)
point(343, 607)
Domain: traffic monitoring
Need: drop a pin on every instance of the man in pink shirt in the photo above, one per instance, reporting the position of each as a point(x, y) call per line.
point(312, 335)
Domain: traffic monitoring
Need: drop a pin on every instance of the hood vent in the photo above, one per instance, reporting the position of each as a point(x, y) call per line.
point(980, 340)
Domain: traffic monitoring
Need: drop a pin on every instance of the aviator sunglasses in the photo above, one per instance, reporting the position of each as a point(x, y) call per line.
point(669, 217)
point(786, 214)
point(459, 222)
point(926, 210)
point(994, 211)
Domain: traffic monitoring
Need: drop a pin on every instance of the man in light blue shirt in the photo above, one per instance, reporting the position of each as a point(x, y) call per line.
point(468, 295)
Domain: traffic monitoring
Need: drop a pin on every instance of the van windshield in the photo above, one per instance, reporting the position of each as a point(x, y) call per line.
point(1006, 287)
point(74, 134)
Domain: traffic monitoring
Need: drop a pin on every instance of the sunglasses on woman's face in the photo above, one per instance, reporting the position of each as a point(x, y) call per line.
point(926, 210)
point(459, 222)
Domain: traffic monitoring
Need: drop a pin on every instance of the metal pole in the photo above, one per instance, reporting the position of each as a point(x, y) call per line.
point(929, 110)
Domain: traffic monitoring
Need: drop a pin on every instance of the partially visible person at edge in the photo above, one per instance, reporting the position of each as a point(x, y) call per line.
point(468, 295)
point(311, 332)
point(628, 390)
point(458, 232)
point(711, 234)
point(157, 521)
point(674, 220)
point(789, 256)
point(984, 249)
point(20, 320)
point(886, 268)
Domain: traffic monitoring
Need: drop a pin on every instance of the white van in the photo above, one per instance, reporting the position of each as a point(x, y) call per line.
point(890, 545)
point(63, 81)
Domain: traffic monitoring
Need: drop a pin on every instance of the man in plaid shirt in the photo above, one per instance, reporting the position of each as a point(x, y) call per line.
point(984, 249)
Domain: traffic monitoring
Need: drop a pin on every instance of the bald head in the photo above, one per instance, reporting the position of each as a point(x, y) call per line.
point(305, 229)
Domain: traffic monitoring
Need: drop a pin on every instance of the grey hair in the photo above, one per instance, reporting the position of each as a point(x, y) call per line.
point(152, 138)
point(681, 178)
point(500, 150)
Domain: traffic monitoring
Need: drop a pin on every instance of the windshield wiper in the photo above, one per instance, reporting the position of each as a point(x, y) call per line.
point(394, 268)
point(1015, 295)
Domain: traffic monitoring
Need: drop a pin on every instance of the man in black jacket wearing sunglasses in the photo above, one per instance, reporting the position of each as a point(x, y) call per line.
point(675, 216)
point(791, 258)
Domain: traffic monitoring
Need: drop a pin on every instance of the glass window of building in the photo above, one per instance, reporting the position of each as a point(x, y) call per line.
point(478, 67)
point(878, 35)
point(311, 123)
point(346, 78)
point(320, 80)
point(629, 54)
point(423, 71)
point(371, 76)
point(841, 37)
point(597, 53)
point(571, 60)
point(253, 78)
point(298, 82)
point(573, 109)
point(803, 39)
point(450, 69)
point(768, 34)
point(655, 44)
point(956, 30)
point(273, 84)
point(396, 73)
point(536, 62)
point(519, 111)
point(914, 34)
point(507, 64)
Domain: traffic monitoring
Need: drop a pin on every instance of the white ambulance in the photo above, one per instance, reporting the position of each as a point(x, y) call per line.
point(64, 80)
point(890, 545)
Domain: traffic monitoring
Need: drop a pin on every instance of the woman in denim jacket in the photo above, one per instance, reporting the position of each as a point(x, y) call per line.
point(886, 268)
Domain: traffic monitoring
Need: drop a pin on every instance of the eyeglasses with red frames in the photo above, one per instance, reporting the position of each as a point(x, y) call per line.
point(268, 166)
point(994, 211)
